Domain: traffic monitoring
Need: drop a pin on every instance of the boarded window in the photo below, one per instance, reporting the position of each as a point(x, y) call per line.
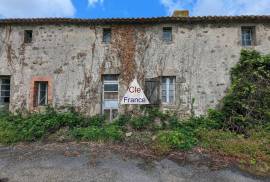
point(107, 33)
point(41, 93)
point(248, 36)
point(151, 90)
point(4, 90)
point(168, 90)
point(167, 34)
point(28, 36)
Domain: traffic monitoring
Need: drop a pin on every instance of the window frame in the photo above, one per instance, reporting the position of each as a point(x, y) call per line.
point(8, 90)
point(252, 30)
point(104, 31)
point(28, 39)
point(167, 90)
point(37, 93)
point(110, 82)
point(166, 30)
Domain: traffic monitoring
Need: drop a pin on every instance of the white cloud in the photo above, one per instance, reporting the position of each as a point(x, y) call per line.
point(94, 2)
point(36, 8)
point(172, 5)
point(219, 7)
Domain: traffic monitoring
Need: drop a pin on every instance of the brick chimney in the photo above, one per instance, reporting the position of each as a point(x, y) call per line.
point(180, 13)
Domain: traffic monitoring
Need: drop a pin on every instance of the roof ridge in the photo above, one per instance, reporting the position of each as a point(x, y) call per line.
point(128, 20)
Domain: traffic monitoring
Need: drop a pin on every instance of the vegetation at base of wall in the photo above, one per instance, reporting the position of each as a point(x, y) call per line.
point(169, 140)
point(162, 133)
point(32, 127)
point(94, 133)
point(240, 128)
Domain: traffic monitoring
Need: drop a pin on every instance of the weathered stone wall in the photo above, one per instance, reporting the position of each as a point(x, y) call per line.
point(74, 57)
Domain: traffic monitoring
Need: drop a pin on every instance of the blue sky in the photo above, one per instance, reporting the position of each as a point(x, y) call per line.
point(119, 8)
point(128, 8)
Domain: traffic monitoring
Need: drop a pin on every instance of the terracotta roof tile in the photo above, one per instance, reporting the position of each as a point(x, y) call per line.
point(192, 19)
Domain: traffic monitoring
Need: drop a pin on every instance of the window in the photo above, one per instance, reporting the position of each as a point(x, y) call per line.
point(28, 35)
point(4, 90)
point(248, 36)
point(168, 90)
point(167, 34)
point(107, 35)
point(41, 93)
point(110, 96)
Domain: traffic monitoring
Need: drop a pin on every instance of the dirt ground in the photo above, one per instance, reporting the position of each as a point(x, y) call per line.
point(98, 163)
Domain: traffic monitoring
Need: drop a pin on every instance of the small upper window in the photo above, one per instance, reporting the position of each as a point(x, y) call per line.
point(248, 36)
point(107, 33)
point(167, 34)
point(28, 36)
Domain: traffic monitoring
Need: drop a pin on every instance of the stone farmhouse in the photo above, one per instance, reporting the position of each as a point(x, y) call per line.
point(183, 63)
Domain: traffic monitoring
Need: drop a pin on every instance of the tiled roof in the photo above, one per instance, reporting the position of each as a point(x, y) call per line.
point(192, 19)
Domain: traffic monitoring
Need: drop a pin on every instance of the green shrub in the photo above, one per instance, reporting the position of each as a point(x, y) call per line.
point(112, 132)
point(140, 122)
point(96, 120)
point(175, 140)
point(8, 133)
point(200, 122)
point(248, 100)
point(122, 120)
point(174, 122)
point(94, 133)
point(91, 133)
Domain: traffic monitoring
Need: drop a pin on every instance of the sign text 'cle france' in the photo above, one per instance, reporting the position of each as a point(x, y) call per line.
point(134, 95)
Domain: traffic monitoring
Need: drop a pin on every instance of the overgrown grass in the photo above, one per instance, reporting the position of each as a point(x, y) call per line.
point(254, 150)
point(94, 133)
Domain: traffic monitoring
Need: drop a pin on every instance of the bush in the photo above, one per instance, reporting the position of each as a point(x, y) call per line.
point(170, 140)
point(122, 120)
point(174, 122)
point(96, 120)
point(94, 133)
point(140, 122)
point(8, 133)
point(248, 100)
point(113, 133)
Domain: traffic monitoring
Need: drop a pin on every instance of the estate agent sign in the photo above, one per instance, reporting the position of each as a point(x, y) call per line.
point(134, 95)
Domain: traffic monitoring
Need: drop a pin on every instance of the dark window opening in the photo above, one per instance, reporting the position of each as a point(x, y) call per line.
point(4, 90)
point(28, 36)
point(248, 36)
point(41, 93)
point(107, 33)
point(167, 34)
point(151, 90)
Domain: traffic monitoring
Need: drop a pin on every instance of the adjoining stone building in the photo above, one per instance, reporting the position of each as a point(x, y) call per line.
point(183, 63)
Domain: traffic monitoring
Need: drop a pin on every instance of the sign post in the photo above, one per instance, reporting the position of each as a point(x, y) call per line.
point(134, 95)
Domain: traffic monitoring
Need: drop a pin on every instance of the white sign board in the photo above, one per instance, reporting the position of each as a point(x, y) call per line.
point(134, 95)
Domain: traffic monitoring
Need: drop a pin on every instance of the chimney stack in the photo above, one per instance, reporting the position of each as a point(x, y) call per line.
point(180, 13)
